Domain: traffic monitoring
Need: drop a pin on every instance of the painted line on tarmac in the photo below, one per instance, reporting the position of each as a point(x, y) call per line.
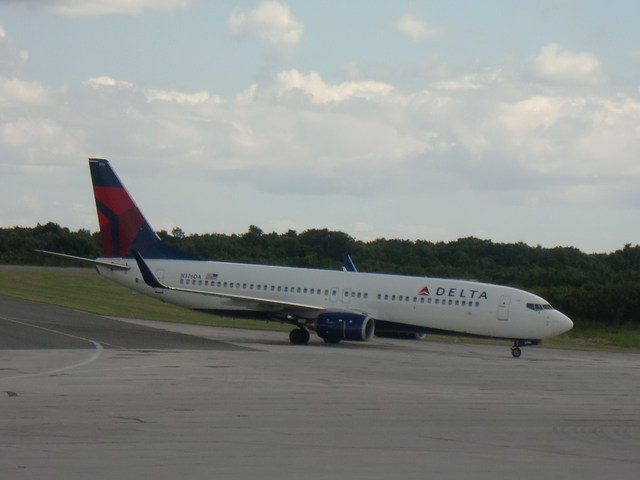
point(98, 349)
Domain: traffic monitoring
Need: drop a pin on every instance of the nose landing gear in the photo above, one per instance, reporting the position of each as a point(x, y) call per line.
point(515, 349)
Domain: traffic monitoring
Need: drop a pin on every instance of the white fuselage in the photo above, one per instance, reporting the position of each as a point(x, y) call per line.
point(450, 305)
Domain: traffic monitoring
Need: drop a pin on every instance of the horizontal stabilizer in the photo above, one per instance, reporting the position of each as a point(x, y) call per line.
point(115, 266)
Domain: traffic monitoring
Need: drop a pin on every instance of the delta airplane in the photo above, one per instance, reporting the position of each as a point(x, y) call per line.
point(337, 305)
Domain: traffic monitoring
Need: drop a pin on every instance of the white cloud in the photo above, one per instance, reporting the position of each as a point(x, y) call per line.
point(14, 91)
point(95, 8)
point(40, 143)
point(11, 57)
point(466, 82)
point(107, 82)
point(321, 93)
point(555, 64)
point(271, 22)
point(151, 95)
point(415, 28)
point(300, 135)
point(176, 96)
point(368, 136)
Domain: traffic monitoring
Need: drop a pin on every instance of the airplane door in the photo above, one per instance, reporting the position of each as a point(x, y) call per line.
point(334, 294)
point(503, 307)
point(346, 295)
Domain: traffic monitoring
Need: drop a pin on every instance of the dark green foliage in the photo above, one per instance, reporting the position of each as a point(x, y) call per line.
point(593, 288)
point(17, 244)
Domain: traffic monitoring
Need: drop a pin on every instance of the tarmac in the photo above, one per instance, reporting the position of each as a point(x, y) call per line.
point(89, 397)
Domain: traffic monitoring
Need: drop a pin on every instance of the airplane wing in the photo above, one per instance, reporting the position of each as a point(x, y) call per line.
point(115, 266)
point(151, 280)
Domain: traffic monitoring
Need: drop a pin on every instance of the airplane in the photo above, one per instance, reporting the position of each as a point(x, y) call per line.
point(336, 304)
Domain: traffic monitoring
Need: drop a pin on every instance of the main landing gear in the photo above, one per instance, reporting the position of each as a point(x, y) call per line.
point(299, 336)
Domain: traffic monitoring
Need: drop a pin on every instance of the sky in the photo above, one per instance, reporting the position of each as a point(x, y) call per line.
point(514, 121)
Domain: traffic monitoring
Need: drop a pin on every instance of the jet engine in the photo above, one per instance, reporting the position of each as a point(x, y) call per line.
point(335, 326)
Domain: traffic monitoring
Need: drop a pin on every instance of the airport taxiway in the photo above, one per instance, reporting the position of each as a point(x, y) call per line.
point(84, 396)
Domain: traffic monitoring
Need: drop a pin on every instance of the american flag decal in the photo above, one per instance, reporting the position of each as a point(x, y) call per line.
point(211, 276)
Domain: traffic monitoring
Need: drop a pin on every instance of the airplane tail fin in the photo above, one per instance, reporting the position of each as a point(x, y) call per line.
point(122, 226)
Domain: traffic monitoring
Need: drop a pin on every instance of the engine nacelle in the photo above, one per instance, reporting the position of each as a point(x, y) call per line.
point(336, 326)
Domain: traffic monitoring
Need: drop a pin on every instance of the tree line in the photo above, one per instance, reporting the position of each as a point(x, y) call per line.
point(590, 288)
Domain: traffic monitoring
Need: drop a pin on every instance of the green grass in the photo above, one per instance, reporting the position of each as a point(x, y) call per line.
point(83, 289)
point(598, 338)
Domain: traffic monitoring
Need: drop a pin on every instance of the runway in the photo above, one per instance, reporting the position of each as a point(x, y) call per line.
point(84, 396)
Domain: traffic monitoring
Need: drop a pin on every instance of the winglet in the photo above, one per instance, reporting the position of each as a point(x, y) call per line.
point(347, 263)
point(147, 275)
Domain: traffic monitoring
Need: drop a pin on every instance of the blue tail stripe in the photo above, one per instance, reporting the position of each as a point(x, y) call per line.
point(102, 174)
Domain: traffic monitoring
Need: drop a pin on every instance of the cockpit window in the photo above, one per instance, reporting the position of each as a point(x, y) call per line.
point(536, 307)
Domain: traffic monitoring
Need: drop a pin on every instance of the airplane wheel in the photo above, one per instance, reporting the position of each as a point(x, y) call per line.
point(299, 336)
point(516, 352)
point(305, 336)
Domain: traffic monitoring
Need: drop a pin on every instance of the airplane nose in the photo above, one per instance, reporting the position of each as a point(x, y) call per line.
point(563, 323)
